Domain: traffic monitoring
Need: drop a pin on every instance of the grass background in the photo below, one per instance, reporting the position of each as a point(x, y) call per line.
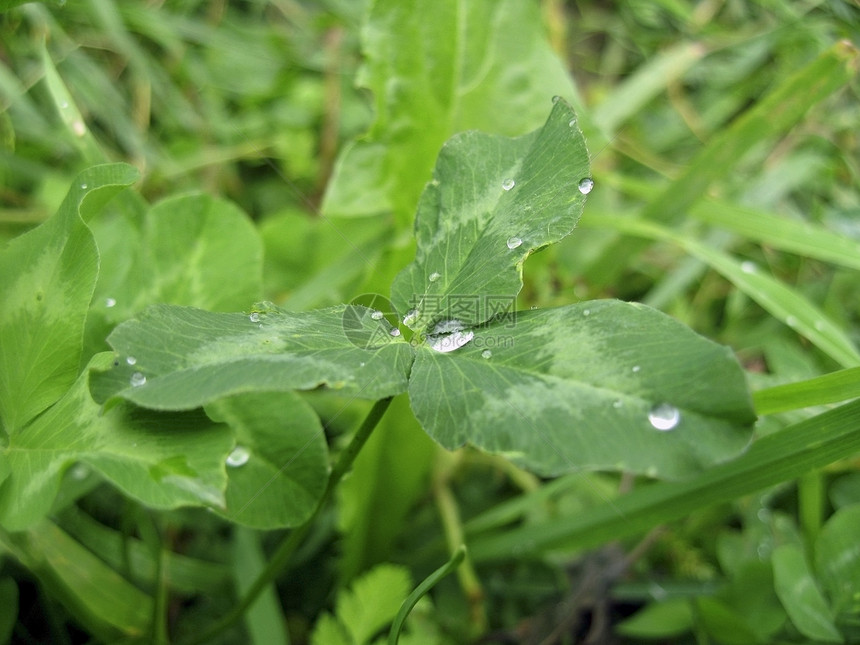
point(757, 246)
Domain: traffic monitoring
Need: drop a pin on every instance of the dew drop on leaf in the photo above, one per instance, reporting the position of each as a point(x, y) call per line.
point(377, 315)
point(636, 368)
point(486, 354)
point(514, 242)
point(572, 123)
point(617, 404)
point(131, 360)
point(110, 302)
point(450, 342)
point(586, 312)
point(556, 99)
point(239, 457)
point(748, 267)
point(83, 186)
point(410, 316)
point(508, 184)
point(394, 332)
point(137, 379)
point(585, 185)
point(434, 276)
point(664, 416)
point(254, 317)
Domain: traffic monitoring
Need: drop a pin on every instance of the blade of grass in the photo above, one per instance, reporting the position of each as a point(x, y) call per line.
point(264, 620)
point(821, 390)
point(776, 113)
point(779, 300)
point(782, 456)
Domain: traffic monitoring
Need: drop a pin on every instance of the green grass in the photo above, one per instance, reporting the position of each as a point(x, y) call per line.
point(724, 151)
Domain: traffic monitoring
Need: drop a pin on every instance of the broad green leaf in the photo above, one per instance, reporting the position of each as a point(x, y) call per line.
point(837, 564)
point(182, 358)
point(492, 202)
point(387, 478)
point(97, 596)
point(164, 461)
point(800, 596)
point(666, 619)
point(724, 622)
point(436, 69)
point(778, 457)
point(194, 250)
point(597, 385)
point(49, 274)
point(277, 472)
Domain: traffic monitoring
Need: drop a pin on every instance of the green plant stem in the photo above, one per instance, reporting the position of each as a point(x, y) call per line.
point(810, 500)
point(287, 548)
point(453, 527)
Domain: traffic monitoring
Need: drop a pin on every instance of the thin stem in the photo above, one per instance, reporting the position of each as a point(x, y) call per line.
point(287, 548)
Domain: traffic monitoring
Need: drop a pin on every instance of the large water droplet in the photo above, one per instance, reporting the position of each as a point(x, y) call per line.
point(486, 354)
point(131, 360)
point(664, 416)
point(434, 276)
point(585, 185)
point(450, 342)
point(137, 379)
point(377, 315)
point(447, 327)
point(239, 457)
point(410, 316)
point(394, 332)
point(507, 184)
point(514, 242)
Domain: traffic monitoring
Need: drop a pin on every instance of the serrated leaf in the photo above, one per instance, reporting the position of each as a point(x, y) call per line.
point(372, 601)
point(165, 461)
point(802, 599)
point(436, 69)
point(185, 357)
point(49, 275)
point(279, 466)
point(573, 387)
point(492, 202)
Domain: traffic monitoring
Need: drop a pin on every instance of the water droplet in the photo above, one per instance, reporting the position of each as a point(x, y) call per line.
point(79, 472)
point(651, 471)
point(748, 267)
point(83, 186)
point(239, 457)
point(791, 321)
point(434, 276)
point(572, 122)
point(131, 360)
point(586, 312)
point(507, 184)
point(377, 315)
point(514, 242)
point(394, 332)
point(447, 327)
point(110, 302)
point(636, 368)
point(362, 364)
point(664, 416)
point(556, 99)
point(450, 342)
point(137, 379)
point(64, 105)
point(486, 354)
point(254, 317)
point(819, 325)
point(585, 185)
point(79, 128)
point(617, 404)
point(410, 316)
